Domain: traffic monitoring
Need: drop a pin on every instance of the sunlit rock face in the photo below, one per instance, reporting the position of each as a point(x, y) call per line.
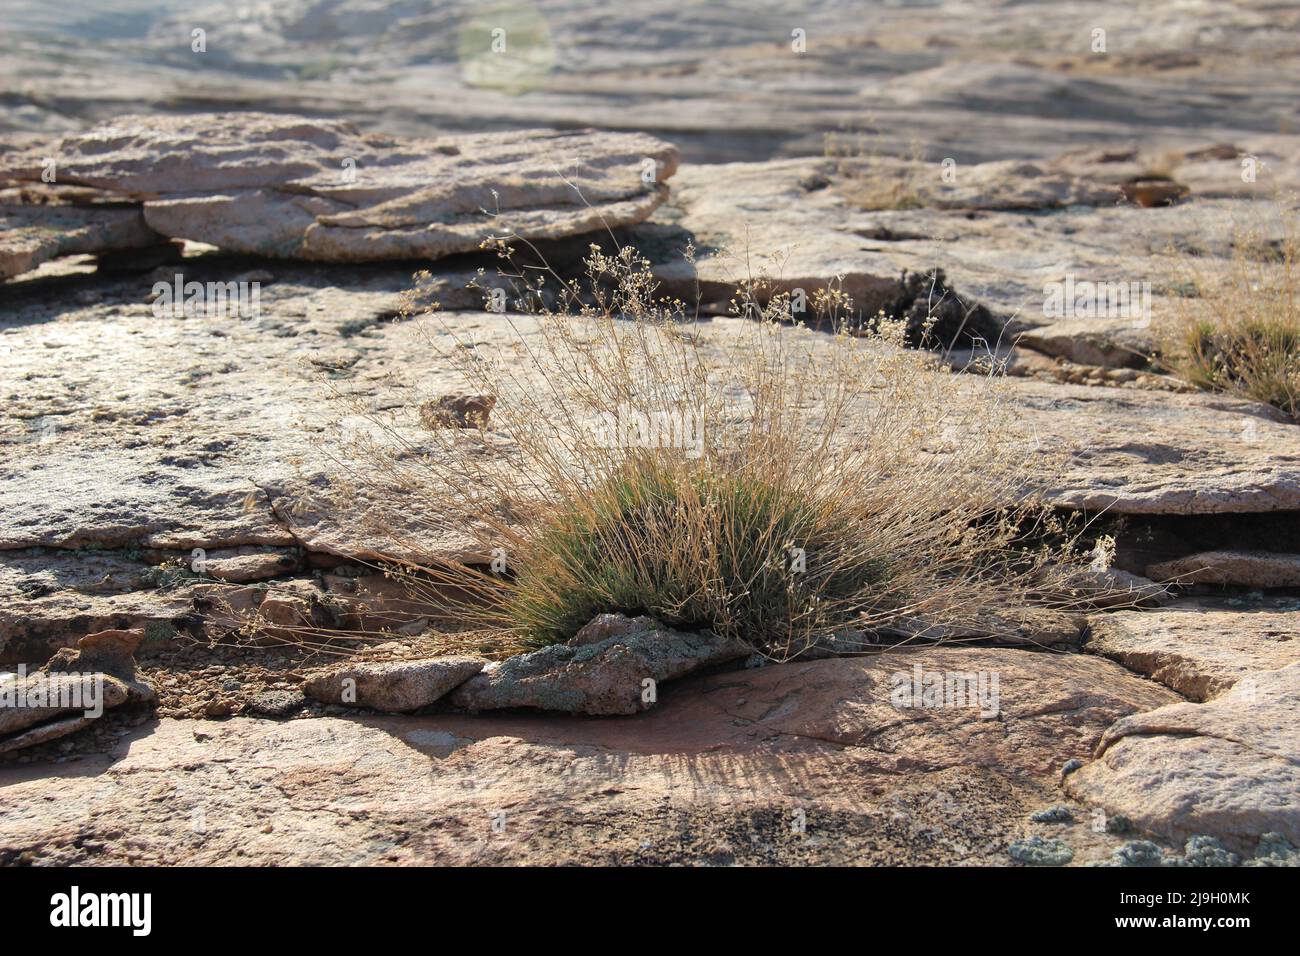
point(297, 188)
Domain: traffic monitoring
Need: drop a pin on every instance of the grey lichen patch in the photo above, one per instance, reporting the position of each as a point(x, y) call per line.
point(1203, 850)
point(1056, 814)
point(1118, 823)
point(1039, 851)
point(607, 677)
point(1207, 851)
point(1137, 853)
point(1275, 850)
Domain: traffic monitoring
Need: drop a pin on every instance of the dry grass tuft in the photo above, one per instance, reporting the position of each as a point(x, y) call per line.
point(1240, 332)
point(755, 478)
point(869, 178)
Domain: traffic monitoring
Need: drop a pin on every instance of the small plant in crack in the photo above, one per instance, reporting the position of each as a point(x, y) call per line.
point(1240, 333)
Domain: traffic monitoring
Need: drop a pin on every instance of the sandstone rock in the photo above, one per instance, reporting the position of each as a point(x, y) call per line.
point(1035, 626)
point(44, 733)
point(240, 565)
point(457, 411)
point(112, 649)
point(37, 697)
point(136, 467)
point(1229, 768)
point(33, 232)
point(286, 610)
point(737, 752)
point(106, 652)
point(1079, 340)
point(1256, 569)
point(720, 85)
point(800, 239)
point(748, 220)
point(50, 599)
point(604, 626)
point(216, 435)
point(607, 677)
point(855, 702)
point(1141, 452)
point(395, 686)
point(40, 707)
point(1197, 648)
point(1002, 185)
point(1155, 192)
point(293, 187)
point(379, 602)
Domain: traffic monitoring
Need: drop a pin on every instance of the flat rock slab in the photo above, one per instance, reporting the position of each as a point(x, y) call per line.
point(394, 686)
point(165, 433)
point(871, 702)
point(1134, 451)
point(1229, 768)
point(1200, 649)
point(231, 435)
point(805, 224)
point(956, 82)
point(35, 698)
point(716, 774)
point(43, 733)
point(32, 233)
point(299, 188)
point(1255, 569)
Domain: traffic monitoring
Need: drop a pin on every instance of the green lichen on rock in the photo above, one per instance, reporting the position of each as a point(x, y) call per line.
point(1119, 823)
point(1137, 853)
point(1207, 851)
point(1056, 814)
point(1038, 851)
point(1275, 850)
point(158, 632)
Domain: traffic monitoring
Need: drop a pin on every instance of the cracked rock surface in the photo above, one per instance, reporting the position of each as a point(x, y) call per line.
point(296, 188)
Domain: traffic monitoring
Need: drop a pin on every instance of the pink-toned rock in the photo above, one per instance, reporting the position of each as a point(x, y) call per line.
point(110, 653)
point(1229, 768)
point(392, 686)
point(753, 752)
point(1198, 649)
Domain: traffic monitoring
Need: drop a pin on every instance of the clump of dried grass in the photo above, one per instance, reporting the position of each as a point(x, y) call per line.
point(1240, 331)
point(871, 179)
point(755, 478)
